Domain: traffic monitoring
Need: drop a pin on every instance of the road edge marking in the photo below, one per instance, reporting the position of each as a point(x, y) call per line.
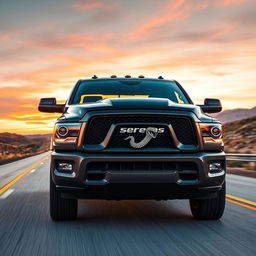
point(11, 183)
point(7, 193)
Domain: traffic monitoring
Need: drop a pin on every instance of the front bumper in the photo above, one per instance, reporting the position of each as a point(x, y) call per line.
point(139, 184)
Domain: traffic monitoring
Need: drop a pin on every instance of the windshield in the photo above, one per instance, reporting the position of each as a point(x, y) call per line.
point(92, 91)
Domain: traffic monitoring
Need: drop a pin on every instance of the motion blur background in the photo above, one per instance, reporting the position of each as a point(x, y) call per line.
point(209, 46)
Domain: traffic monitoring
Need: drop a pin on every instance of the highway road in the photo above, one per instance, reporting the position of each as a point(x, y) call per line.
point(118, 227)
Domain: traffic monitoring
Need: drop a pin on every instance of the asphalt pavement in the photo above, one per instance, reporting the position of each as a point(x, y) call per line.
point(118, 227)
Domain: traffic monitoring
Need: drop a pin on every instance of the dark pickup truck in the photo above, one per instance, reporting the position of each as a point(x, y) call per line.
point(135, 138)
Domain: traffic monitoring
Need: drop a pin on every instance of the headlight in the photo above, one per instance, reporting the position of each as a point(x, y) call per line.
point(211, 133)
point(66, 133)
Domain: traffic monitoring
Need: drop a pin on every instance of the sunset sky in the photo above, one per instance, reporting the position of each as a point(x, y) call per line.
point(46, 46)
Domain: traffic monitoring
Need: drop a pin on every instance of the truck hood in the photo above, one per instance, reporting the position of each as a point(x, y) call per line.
point(74, 113)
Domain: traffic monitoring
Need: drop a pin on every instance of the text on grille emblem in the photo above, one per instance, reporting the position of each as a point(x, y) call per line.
point(150, 133)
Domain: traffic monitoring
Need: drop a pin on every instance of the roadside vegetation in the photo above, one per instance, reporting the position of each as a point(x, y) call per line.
point(240, 136)
point(14, 146)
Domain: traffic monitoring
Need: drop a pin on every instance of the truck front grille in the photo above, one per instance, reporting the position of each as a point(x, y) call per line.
point(98, 127)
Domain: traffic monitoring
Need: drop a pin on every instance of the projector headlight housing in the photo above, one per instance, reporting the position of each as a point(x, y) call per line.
point(66, 133)
point(212, 136)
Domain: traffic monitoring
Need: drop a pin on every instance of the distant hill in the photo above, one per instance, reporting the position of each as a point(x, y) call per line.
point(240, 136)
point(39, 136)
point(13, 139)
point(14, 146)
point(235, 114)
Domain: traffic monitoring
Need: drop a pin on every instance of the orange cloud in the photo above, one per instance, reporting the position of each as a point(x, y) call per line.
point(37, 122)
point(203, 4)
point(85, 5)
point(170, 14)
point(224, 3)
point(71, 40)
point(4, 38)
point(82, 5)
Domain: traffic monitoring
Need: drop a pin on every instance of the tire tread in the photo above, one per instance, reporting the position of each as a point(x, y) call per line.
point(209, 209)
point(61, 208)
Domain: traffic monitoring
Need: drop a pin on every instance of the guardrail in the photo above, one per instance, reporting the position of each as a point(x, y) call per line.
point(241, 157)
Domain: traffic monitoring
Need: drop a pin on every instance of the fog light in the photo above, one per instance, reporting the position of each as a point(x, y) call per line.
point(64, 167)
point(215, 167)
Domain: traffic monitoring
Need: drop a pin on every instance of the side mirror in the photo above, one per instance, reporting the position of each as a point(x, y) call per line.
point(211, 106)
point(49, 105)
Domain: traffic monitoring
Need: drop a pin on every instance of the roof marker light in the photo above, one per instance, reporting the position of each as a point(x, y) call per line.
point(141, 76)
point(113, 76)
point(127, 76)
point(160, 77)
point(94, 77)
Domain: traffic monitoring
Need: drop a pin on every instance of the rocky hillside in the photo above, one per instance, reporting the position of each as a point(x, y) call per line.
point(14, 146)
point(240, 136)
point(236, 114)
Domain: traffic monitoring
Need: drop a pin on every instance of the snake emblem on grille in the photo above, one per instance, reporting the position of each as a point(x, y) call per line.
point(151, 133)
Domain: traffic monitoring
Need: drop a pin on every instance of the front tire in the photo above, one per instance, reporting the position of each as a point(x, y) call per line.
point(61, 208)
point(209, 209)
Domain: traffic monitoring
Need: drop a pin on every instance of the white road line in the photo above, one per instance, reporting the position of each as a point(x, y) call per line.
point(7, 193)
point(32, 170)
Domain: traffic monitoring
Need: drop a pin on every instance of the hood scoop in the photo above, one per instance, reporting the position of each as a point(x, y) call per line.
point(142, 103)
